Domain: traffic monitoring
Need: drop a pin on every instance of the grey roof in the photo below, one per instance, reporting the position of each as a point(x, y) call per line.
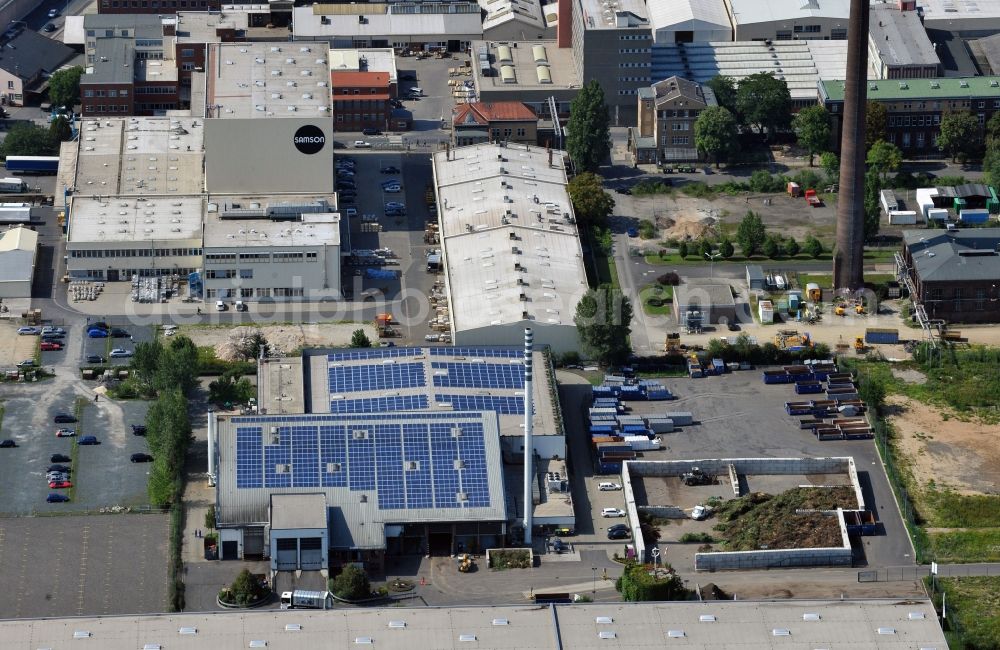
point(17, 266)
point(29, 54)
point(955, 255)
point(755, 272)
point(900, 38)
point(705, 295)
point(676, 87)
point(988, 48)
point(114, 62)
point(356, 519)
point(873, 624)
point(141, 25)
point(290, 511)
point(965, 191)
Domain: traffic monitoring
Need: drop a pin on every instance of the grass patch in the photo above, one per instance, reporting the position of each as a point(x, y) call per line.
point(973, 612)
point(657, 299)
point(824, 280)
point(696, 538)
point(651, 187)
point(211, 365)
point(951, 510)
point(765, 521)
point(980, 545)
point(699, 190)
point(966, 381)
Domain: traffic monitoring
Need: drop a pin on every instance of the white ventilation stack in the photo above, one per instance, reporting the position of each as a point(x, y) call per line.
point(211, 448)
point(529, 475)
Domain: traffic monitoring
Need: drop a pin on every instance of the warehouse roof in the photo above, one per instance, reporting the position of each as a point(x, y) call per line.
point(262, 221)
point(689, 14)
point(954, 255)
point(509, 236)
point(939, 88)
point(204, 26)
point(522, 71)
point(615, 14)
point(900, 37)
point(373, 59)
point(265, 80)
point(290, 511)
point(139, 156)
point(501, 12)
point(940, 12)
point(113, 59)
point(136, 25)
point(380, 20)
point(130, 219)
point(746, 12)
point(874, 624)
point(18, 247)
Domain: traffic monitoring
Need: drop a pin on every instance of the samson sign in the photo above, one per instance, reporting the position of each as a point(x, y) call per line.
point(309, 139)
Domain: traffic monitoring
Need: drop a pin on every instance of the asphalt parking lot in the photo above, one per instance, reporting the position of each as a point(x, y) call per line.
point(736, 415)
point(71, 566)
point(102, 346)
point(102, 475)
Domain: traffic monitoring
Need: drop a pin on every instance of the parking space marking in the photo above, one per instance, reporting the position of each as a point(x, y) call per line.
point(111, 559)
point(23, 576)
point(84, 543)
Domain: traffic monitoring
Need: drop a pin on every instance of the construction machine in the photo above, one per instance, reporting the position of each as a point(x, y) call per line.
point(465, 563)
point(696, 477)
point(673, 344)
point(790, 339)
point(859, 344)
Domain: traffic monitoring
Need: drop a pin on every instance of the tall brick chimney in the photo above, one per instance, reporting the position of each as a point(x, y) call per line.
point(564, 31)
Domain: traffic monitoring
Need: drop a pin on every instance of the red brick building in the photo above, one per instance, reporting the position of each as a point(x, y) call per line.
point(478, 122)
point(118, 83)
point(360, 100)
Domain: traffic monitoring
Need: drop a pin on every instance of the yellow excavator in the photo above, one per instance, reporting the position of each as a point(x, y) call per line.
point(859, 345)
point(465, 563)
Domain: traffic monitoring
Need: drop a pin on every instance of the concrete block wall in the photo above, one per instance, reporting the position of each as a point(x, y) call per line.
point(664, 512)
point(752, 466)
point(771, 559)
point(631, 511)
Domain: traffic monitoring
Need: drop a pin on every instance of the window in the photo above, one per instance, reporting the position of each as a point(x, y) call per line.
point(982, 118)
point(980, 299)
point(246, 293)
point(263, 292)
point(958, 299)
point(246, 274)
point(981, 104)
point(209, 294)
point(187, 52)
point(112, 93)
point(920, 140)
point(520, 132)
point(838, 34)
point(10, 85)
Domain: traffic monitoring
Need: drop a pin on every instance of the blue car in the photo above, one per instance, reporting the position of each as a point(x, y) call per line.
point(55, 497)
point(88, 440)
point(97, 333)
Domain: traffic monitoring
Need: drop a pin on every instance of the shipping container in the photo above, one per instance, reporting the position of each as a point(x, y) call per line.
point(925, 200)
point(32, 164)
point(978, 215)
point(937, 214)
point(808, 387)
point(887, 198)
point(642, 443)
point(660, 425)
point(799, 408)
point(15, 213)
point(860, 522)
point(680, 418)
point(902, 217)
point(765, 312)
point(776, 377)
point(719, 365)
point(881, 335)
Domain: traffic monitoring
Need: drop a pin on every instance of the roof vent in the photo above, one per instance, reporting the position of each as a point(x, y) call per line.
point(675, 634)
point(607, 634)
point(781, 631)
point(293, 627)
point(811, 617)
point(397, 625)
point(188, 631)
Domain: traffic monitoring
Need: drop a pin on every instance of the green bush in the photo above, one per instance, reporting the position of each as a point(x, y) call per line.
point(696, 538)
point(351, 584)
point(211, 366)
point(244, 590)
point(510, 559)
point(669, 279)
point(636, 584)
point(175, 565)
point(649, 186)
point(646, 229)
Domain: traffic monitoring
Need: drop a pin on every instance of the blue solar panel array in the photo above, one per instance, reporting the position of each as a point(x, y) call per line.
point(375, 353)
point(410, 464)
point(479, 375)
point(379, 404)
point(500, 405)
point(503, 353)
point(349, 379)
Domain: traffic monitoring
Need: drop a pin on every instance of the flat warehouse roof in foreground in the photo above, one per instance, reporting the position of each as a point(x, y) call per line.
point(715, 625)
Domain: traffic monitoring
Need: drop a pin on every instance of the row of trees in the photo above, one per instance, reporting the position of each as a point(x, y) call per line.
point(27, 139)
point(760, 103)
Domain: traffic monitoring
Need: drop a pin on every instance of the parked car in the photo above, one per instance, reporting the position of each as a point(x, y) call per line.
point(88, 440)
point(361, 144)
point(390, 205)
point(118, 353)
point(386, 344)
point(623, 190)
point(57, 485)
point(619, 533)
point(560, 546)
point(618, 527)
point(53, 477)
point(609, 487)
point(8, 443)
point(48, 329)
point(95, 358)
point(50, 346)
point(59, 458)
point(59, 468)
point(27, 363)
point(28, 331)
point(141, 458)
point(138, 429)
point(612, 512)
point(733, 326)
point(65, 432)
point(55, 497)
point(64, 418)
point(97, 333)
point(52, 338)
point(119, 333)
point(49, 28)
point(53, 13)
point(370, 131)
point(699, 512)
point(391, 189)
point(389, 169)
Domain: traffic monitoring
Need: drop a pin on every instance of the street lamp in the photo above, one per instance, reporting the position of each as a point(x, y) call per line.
point(594, 569)
point(712, 257)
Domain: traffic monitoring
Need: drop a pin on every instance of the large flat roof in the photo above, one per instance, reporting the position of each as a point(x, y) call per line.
point(442, 379)
point(380, 20)
point(941, 12)
point(139, 156)
point(900, 89)
point(743, 624)
point(747, 12)
point(698, 14)
point(131, 219)
point(612, 14)
point(265, 80)
point(114, 60)
point(315, 228)
point(203, 26)
point(527, 73)
point(508, 235)
point(900, 37)
point(500, 12)
point(374, 59)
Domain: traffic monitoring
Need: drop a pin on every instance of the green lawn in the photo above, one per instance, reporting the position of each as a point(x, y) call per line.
point(973, 612)
point(665, 295)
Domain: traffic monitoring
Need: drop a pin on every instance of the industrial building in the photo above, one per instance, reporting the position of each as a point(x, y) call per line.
point(511, 250)
point(713, 302)
point(898, 46)
point(18, 249)
point(690, 21)
point(872, 624)
point(478, 122)
point(667, 111)
point(516, 20)
point(406, 445)
point(786, 20)
point(537, 78)
point(955, 273)
point(372, 59)
point(26, 62)
point(915, 106)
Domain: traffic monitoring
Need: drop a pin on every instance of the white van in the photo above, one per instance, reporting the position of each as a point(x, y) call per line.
point(416, 90)
point(220, 306)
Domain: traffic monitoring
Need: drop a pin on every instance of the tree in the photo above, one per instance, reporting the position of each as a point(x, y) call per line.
point(249, 345)
point(244, 590)
point(715, 134)
point(359, 339)
point(230, 388)
point(993, 130)
point(792, 247)
point(771, 247)
point(588, 134)
point(351, 584)
point(60, 130)
point(177, 366)
point(831, 166)
point(145, 360)
point(725, 93)
point(959, 133)
point(682, 249)
point(637, 584)
point(872, 206)
point(603, 319)
point(764, 102)
point(991, 164)
point(704, 247)
point(27, 139)
point(727, 249)
point(876, 120)
point(813, 247)
point(591, 203)
point(751, 234)
point(884, 157)
point(812, 128)
point(64, 87)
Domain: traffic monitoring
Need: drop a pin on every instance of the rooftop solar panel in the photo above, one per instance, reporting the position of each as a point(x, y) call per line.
point(478, 375)
point(375, 353)
point(349, 379)
point(379, 404)
point(505, 353)
point(498, 404)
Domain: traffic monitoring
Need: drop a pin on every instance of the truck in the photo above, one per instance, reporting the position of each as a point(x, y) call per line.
point(882, 335)
point(12, 185)
point(32, 164)
point(697, 477)
point(301, 599)
point(813, 199)
point(16, 213)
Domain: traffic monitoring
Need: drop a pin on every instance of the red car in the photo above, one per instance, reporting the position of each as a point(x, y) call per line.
point(49, 346)
point(60, 484)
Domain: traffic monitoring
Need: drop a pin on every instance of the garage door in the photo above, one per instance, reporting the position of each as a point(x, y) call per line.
point(287, 559)
point(253, 543)
point(312, 553)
